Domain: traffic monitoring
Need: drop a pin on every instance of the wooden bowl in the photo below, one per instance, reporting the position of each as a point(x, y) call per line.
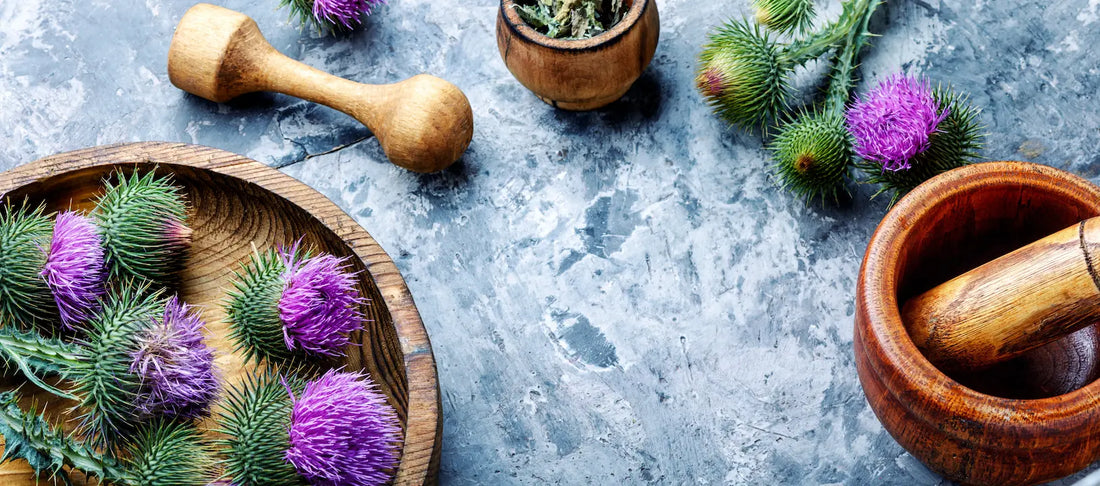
point(945, 227)
point(237, 202)
point(581, 74)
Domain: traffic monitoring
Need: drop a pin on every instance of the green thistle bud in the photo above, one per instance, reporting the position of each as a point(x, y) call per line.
point(253, 309)
point(741, 74)
point(255, 420)
point(812, 155)
point(25, 299)
point(101, 371)
point(145, 235)
point(168, 453)
point(955, 143)
point(784, 15)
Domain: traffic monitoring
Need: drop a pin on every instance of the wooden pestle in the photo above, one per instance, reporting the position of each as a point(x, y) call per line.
point(423, 123)
point(1011, 305)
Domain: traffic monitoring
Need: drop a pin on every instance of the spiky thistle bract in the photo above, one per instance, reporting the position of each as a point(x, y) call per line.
point(103, 380)
point(25, 298)
point(168, 453)
point(955, 143)
point(143, 219)
point(812, 155)
point(288, 305)
point(784, 15)
point(255, 419)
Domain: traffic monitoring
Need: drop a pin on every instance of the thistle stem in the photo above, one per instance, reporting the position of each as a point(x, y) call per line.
point(36, 356)
point(844, 66)
point(801, 51)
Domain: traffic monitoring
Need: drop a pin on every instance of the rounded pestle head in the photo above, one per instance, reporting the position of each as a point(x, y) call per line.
point(426, 125)
point(211, 52)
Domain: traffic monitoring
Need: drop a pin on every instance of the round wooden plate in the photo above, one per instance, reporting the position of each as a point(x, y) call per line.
point(237, 203)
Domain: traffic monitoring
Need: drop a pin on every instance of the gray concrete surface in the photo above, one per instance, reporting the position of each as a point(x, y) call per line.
point(620, 296)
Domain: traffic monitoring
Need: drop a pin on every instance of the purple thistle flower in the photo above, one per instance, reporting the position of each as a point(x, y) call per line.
point(342, 432)
point(893, 122)
point(74, 270)
point(343, 12)
point(175, 365)
point(320, 304)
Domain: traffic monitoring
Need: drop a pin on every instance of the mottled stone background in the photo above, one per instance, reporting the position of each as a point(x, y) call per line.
point(620, 296)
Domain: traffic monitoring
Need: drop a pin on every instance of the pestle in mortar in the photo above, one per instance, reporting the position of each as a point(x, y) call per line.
point(423, 123)
point(1010, 305)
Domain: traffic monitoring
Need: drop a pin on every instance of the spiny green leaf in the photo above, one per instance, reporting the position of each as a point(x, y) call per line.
point(145, 236)
point(45, 447)
point(255, 420)
point(38, 357)
point(25, 299)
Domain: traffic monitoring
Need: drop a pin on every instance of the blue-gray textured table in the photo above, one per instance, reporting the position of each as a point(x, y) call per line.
point(615, 296)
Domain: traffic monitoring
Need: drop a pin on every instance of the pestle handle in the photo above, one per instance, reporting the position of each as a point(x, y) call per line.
point(422, 123)
point(1011, 305)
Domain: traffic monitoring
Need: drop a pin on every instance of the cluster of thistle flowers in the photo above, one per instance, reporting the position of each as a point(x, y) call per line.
point(331, 15)
point(903, 131)
point(82, 298)
point(296, 312)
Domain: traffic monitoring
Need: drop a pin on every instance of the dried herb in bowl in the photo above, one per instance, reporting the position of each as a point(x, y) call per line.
point(571, 19)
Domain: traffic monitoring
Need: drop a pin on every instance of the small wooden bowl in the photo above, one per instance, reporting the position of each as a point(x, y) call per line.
point(237, 202)
point(945, 227)
point(582, 74)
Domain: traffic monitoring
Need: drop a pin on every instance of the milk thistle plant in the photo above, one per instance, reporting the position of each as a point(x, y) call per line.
point(331, 15)
point(335, 430)
point(288, 305)
point(744, 71)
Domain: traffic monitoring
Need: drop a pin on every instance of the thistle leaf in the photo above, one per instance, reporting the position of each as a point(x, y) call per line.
point(38, 357)
point(47, 449)
point(571, 19)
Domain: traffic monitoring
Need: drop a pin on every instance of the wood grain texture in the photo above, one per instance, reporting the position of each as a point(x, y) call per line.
point(1011, 305)
point(581, 74)
point(947, 226)
point(237, 203)
point(423, 123)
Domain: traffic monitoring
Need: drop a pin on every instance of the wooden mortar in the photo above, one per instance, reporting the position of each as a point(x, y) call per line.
point(423, 123)
point(580, 74)
point(945, 227)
